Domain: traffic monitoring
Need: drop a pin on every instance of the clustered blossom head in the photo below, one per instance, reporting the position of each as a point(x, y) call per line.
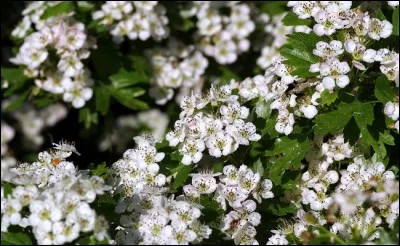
point(53, 198)
point(180, 67)
point(7, 161)
point(215, 121)
point(133, 19)
point(362, 198)
point(234, 187)
point(32, 122)
point(32, 15)
point(223, 37)
point(149, 216)
point(138, 169)
point(53, 56)
point(153, 122)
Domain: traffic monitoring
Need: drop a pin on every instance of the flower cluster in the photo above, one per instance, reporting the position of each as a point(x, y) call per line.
point(234, 187)
point(223, 37)
point(54, 55)
point(138, 169)
point(7, 161)
point(152, 121)
point(215, 121)
point(361, 198)
point(32, 15)
point(53, 198)
point(134, 19)
point(180, 67)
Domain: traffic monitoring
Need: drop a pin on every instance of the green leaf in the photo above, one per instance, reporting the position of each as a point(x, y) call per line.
point(333, 121)
point(298, 53)
point(106, 59)
point(227, 75)
point(8, 188)
point(9, 238)
point(102, 100)
point(140, 64)
point(383, 90)
point(282, 210)
point(101, 170)
point(85, 6)
point(15, 78)
point(327, 97)
point(61, 8)
point(125, 79)
point(263, 109)
point(126, 97)
point(289, 153)
point(181, 176)
point(291, 19)
point(258, 167)
point(87, 117)
point(380, 15)
point(274, 7)
point(395, 21)
point(18, 102)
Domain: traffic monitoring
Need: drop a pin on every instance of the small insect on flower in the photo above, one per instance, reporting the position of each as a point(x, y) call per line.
point(64, 146)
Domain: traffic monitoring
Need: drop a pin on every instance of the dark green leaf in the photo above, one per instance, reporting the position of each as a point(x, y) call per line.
point(380, 15)
point(127, 97)
point(87, 117)
point(327, 98)
point(101, 170)
point(61, 8)
point(125, 79)
point(18, 102)
point(140, 64)
point(263, 109)
point(395, 21)
point(15, 78)
point(9, 238)
point(227, 75)
point(181, 176)
point(291, 19)
point(383, 90)
point(258, 167)
point(289, 153)
point(102, 100)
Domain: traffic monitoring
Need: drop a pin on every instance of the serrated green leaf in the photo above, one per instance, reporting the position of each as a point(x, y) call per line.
point(106, 59)
point(9, 238)
point(327, 97)
point(181, 176)
point(258, 167)
point(102, 100)
point(87, 117)
point(383, 90)
point(333, 121)
point(263, 109)
point(273, 7)
point(125, 79)
point(140, 64)
point(227, 75)
point(18, 102)
point(61, 8)
point(8, 188)
point(101, 170)
point(380, 15)
point(85, 6)
point(15, 78)
point(395, 21)
point(291, 19)
point(290, 153)
point(127, 97)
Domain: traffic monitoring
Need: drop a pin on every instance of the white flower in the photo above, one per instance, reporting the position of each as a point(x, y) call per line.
point(393, 3)
point(277, 239)
point(204, 183)
point(243, 132)
point(263, 190)
point(324, 50)
point(10, 211)
point(192, 151)
point(219, 144)
point(284, 122)
point(43, 214)
point(334, 74)
point(327, 23)
point(78, 95)
point(248, 180)
point(233, 195)
point(379, 29)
